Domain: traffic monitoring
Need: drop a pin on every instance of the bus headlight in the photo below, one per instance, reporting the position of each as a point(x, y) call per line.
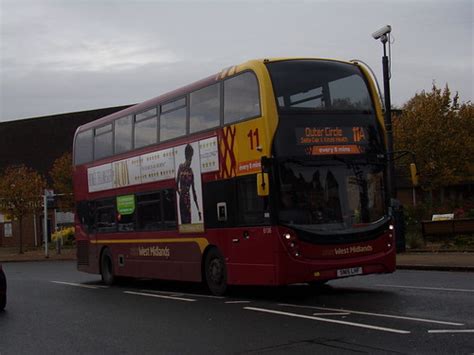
point(291, 243)
point(391, 228)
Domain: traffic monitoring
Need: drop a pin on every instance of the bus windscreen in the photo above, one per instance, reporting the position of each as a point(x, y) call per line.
point(319, 85)
point(331, 196)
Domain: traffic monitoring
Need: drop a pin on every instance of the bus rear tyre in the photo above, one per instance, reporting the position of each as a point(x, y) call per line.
point(3, 295)
point(3, 301)
point(215, 272)
point(107, 268)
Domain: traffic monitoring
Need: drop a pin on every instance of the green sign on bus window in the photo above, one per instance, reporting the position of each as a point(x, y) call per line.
point(126, 204)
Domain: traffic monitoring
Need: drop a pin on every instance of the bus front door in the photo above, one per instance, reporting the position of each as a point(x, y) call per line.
point(251, 259)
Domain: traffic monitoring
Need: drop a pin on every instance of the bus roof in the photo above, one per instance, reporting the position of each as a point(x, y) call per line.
point(175, 94)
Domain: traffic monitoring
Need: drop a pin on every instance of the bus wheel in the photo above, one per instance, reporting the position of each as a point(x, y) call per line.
point(107, 267)
point(215, 272)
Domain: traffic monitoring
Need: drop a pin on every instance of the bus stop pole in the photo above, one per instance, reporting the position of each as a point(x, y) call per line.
point(45, 224)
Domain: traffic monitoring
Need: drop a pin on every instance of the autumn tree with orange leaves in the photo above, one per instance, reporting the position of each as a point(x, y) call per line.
point(61, 176)
point(439, 130)
point(21, 190)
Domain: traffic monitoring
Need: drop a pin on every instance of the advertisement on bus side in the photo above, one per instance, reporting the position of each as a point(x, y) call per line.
point(189, 188)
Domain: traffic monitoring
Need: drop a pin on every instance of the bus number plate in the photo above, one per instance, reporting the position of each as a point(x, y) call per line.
point(349, 272)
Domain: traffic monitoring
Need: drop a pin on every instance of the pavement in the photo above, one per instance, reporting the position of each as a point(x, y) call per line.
point(442, 261)
point(38, 254)
point(419, 260)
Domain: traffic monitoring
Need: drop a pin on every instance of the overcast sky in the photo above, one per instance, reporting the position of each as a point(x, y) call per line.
point(73, 55)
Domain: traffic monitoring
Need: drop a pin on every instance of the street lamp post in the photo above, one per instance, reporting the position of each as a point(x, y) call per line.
point(383, 35)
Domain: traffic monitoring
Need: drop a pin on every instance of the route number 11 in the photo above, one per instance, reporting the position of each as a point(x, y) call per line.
point(253, 136)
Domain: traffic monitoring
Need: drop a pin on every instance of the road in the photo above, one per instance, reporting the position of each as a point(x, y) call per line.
point(53, 309)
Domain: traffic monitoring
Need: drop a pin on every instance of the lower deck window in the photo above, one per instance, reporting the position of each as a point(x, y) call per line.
point(105, 220)
point(141, 212)
point(149, 211)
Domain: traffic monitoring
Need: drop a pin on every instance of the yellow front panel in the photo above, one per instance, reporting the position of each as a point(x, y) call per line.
point(241, 147)
point(250, 138)
point(243, 144)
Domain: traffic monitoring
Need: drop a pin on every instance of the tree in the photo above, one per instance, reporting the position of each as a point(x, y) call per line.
point(61, 176)
point(20, 193)
point(439, 130)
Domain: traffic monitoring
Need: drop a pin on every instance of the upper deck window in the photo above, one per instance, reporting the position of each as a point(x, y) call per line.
point(241, 98)
point(83, 149)
point(103, 137)
point(146, 128)
point(170, 106)
point(147, 114)
point(319, 85)
point(123, 135)
point(173, 119)
point(205, 108)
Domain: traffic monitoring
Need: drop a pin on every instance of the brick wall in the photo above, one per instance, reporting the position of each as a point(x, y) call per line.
point(28, 233)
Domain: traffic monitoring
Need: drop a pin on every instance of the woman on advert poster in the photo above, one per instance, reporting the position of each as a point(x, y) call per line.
point(185, 181)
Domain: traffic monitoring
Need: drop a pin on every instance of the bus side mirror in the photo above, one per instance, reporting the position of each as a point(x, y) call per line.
point(414, 174)
point(262, 184)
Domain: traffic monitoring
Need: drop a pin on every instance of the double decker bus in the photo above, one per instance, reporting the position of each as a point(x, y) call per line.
point(271, 172)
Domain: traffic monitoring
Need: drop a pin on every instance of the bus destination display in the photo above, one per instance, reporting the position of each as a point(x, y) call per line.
point(331, 140)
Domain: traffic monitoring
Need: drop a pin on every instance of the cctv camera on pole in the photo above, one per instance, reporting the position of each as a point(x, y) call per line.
point(384, 31)
point(383, 35)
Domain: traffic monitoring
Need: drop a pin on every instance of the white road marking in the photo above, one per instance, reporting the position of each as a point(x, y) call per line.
point(160, 296)
point(352, 324)
point(373, 314)
point(74, 284)
point(232, 302)
point(429, 288)
point(183, 294)
point(440, 331)
point(331, 314)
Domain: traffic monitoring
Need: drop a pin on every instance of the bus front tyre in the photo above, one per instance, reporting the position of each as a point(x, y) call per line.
point(215, 272)
point(107, 268)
